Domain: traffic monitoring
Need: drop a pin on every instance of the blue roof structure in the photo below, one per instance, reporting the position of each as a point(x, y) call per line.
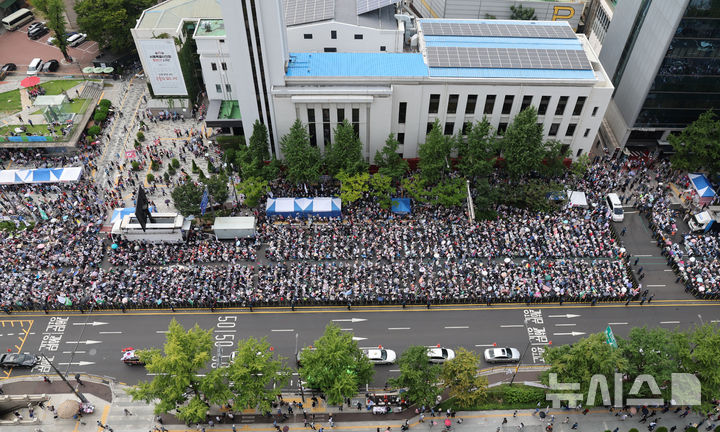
point(465, 49)
point(356, 65)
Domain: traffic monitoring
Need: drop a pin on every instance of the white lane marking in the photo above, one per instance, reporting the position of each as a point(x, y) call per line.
point(394, 370)
point(354, 320)
point(485, 345)
point(282, 330)
point(10, 334)
point(398, 328)
point(669, 322)
point(618, 323)
point(109, 332)
point(85, 342)
point(161, 331)
point(656, 286)
point(346, 329)
point(76, 352)
point(94, 323)
point(715, 321)
point(565, 325)
point(80, 363)
point(667, 270)
point(357, 338)
point(511, 325)
point(648, 255)
point(569, 334)
point(457, 327)
point(223, 331)
point(564, 316)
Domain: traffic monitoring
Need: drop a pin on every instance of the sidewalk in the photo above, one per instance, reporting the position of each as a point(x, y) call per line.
point(111, 412)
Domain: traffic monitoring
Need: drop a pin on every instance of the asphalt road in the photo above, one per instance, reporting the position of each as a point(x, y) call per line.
point(98, 343)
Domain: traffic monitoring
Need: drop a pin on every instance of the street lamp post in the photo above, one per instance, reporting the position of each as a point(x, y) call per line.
point(82, 397)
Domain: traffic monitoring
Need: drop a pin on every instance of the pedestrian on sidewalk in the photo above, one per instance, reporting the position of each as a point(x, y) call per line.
point(515, 414)
point(46, 379)
point(504, 422)
point(77, 378)
point(331, 421)
point(574, 426)
point(567, 420)
point(622, 233)
point(127, 412)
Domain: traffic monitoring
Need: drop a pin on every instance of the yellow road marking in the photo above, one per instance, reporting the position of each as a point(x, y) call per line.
point(104, 417)
point(77, 424)
point(21, 339)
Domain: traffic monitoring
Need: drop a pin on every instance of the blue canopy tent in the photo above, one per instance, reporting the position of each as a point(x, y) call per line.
point(303, 207)
point(120, 213)
point(401, 205)
point(702, 187)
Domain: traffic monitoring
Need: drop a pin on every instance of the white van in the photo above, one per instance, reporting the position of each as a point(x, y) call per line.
point(76, 39)
point(34, 66)
point(615, 206)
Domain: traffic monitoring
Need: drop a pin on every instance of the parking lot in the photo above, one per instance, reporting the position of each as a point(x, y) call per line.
point(16, 47)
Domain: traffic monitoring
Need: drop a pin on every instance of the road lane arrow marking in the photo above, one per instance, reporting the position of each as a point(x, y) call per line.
point(94, 323)
point(512, 326)
point(80, 363)
point(354, 320)
point(569, 334)
point(564, 316)
point(86, 342)
point(565, 325)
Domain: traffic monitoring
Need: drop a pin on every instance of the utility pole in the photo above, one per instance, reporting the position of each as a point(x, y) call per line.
point(82, 398)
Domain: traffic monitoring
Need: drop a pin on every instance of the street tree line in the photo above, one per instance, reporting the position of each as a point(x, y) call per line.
point(333, 366)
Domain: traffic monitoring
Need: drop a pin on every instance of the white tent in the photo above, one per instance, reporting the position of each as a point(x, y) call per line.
point(41, 175)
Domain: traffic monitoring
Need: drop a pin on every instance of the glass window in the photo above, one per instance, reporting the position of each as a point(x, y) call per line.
point(401, 137)
point(356, 120)
point(340, 115)
point(382, 48)
point(429, 127)
point(587, 132)
point(358, 36)
point(331, 49)
point(544, 102)
point(527, 100)
point(452, 103)
point(579, 106)
point(470, 105)
point(466, 127)
point(311, 115)
point(554, 129)
point(218, 88)
point(571, 129)
point(402, 111)
point(228, 88)
point(449, 128)
point(595, 110)
point(502, 127)
point(434, 104)
point(507, 104)
point(327, 130)
point(307, 36)
point(213, 66)
point(579, 153)
point(489, 104)
point(333, 34)
point(224, 66)
point(562, 102)
point(311, 127)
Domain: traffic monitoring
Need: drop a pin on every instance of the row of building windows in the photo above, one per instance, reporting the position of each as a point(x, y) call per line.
point(490, 105)
point(218, 88)
point(223, 65)
point(327, 127)
point(333, 35)
point(449, 129)
point(334, 49)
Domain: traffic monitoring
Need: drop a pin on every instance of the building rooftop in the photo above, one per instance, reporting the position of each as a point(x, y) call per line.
point(210, 27)
point(299, 12)
point(169, 14)
point(356, 65)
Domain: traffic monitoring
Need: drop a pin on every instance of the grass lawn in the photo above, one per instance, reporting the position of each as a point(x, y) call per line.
point(37, 129)
point(10, 101)
point(56, 87)
point(504, 397)
point(77, 105)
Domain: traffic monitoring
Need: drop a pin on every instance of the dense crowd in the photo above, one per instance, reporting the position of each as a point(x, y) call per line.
point(193, 252)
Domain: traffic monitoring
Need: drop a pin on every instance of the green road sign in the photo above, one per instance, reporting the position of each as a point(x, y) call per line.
point(610, 337)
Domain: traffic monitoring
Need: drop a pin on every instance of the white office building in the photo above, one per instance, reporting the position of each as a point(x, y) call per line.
point(454, 71)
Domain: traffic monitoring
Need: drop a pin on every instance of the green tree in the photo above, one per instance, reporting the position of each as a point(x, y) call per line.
point(484, 197)
point(415, 188)
point(696, 147)
point(187, 197)
point(176, 384)
point(577, 363)
point(108, 22)
point(253, 188)
point(478, 151)
point(54, 12)
point(382, 189)
point(418, 375)
point(460, 376)
point(217, 185)
point(703, 359)
point(253, 379)
point(345, 154)
point(522, 13)
point(450, 192)
point(555, 154)
point(434, 155)
point(336, 366)
point(259, 145)
point(302, 159)
point(388, 160)
point(580, 166)
point(522, 143)
point(353, 187)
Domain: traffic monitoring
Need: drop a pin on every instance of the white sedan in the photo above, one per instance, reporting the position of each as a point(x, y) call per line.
point(502, 355)
point(440, 355)
point(380, 356)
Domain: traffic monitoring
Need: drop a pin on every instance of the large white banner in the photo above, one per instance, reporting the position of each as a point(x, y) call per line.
point(163, 67)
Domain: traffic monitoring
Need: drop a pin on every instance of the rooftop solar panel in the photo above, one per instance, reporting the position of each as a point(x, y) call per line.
point(364, 6)
point(497, 30)
point(507, 58)
point(307, 11)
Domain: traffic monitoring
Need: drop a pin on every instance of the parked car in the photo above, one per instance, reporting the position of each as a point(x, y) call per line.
point(35, 25)
point(34, 66)
point(38, 32)
point(51, 40)
point(502, 355)
point(76, 39)
point(8, 67)
point(440, 355)
point(380, 356)
point(18, 360)
point(51, 66)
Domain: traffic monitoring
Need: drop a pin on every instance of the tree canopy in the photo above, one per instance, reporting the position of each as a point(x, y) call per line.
point(522, 13)
point(302, 159)
point(353, 187)
point(54, 12)
point(336, 366)
point(108, 22)
point(388, 159)
point(418, 375)
point(253, 188)
point(460, 376)
point(434, 155)
point(345, 154)
point(187, 197)
point(522, 143)
point(176, 384)
point(477, 152)
point(217, 185)
point(258, 143)
point(696, 147)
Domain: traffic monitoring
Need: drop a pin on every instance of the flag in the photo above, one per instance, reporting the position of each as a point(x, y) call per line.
point(43, 214)
point(306, 191)
point(204, 202)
